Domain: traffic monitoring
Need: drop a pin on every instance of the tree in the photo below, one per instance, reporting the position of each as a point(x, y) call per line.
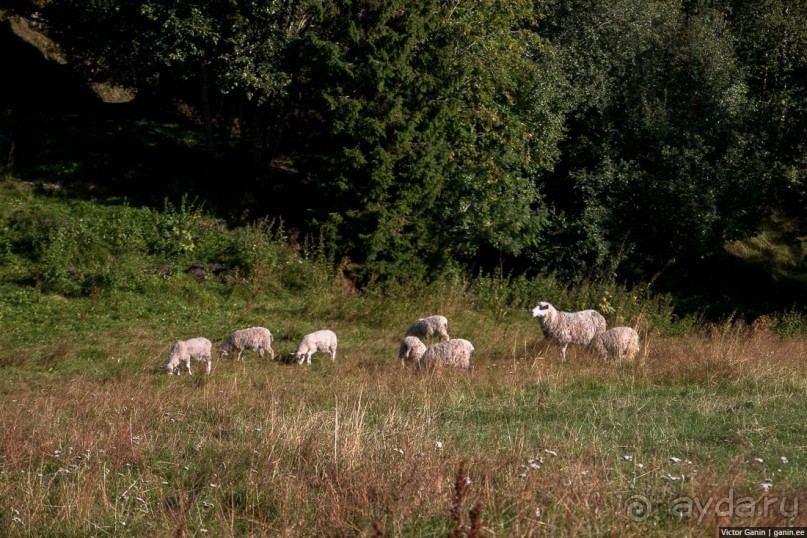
point(431, 120)
point(226, 58)
point(662, 164)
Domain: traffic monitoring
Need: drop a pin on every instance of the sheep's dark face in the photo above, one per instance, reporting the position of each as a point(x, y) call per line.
point(541, 310)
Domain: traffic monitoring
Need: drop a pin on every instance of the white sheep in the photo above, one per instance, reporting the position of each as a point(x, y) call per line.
point(323, 341)
point(454, 353)
point(254, 339)
point(412, 349)
point(198, 349)
point(568, 327)
point(621, 342)
point(430, 327)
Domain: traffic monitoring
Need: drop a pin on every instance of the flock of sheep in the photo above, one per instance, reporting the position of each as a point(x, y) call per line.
point(586, 327)
point(258, 339)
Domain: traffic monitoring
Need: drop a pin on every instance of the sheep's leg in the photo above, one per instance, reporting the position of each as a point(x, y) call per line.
point(260, 352)
point(188, 364)
point(271, 353)
point(209, 365)
point(333, 355)
point(308, 358)
point(240, 351)
point(563, 353)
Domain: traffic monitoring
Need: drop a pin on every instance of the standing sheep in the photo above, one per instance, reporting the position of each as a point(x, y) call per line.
point(412, 349)
point(621, 342)
point(323, 341)
point(454, 353)
point(568, 327)
point(198, 349)
point(430, 327)
point(254, 339)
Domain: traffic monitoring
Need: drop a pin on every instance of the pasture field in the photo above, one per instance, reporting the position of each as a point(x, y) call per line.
point(708, 428)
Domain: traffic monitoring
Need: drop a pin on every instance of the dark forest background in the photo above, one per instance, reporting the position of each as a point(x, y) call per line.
point(660, 144)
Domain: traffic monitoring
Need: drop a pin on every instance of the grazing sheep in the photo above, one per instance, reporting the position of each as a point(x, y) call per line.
point(430, 327)
point(254, 339)
point(621, 342)
point(198, 349)
point(568, 327)
point(412, 349)
point(454, 353)
point(323, 341)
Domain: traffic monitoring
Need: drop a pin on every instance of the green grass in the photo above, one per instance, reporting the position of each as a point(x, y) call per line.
point(96, 440)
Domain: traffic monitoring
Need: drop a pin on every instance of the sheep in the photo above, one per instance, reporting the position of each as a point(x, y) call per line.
point(198, 349)
point(430, 327)
point(319, 341)
point(622, 342)
point(454, 353)
point(412, 349)
point(568, 327)
point(254, 339)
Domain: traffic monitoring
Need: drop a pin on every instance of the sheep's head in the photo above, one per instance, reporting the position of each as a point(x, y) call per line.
point(171, 369)
point(542, 310)
point(225, 348)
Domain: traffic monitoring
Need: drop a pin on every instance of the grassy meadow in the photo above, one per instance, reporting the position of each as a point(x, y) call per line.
point(707, 428)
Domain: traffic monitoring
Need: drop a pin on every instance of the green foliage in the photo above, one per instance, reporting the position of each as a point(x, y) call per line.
point(80, 248)
point(434, 118)
point(663, 156)
point(605, 141)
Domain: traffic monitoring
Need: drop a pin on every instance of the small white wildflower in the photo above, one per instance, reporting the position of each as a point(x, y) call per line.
point(757, 460)
point(522, 475)
point(670, 477)
point(784, 459)
point(136, 438)
point(438, 444)
point(585, 473)
point(640, 465)
point(534, 465)
point(214, 485)
point(399, 451)
point(57, 453)
point(627, 457)
point(675, 460)
point(766, 485)
point(165, 482)
point(122, 523)
point(550, 452)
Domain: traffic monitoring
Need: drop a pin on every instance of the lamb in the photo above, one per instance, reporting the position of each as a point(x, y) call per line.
point(323, 341)
point(412, 349)
point(254, 339)
point(454, 353)
point(430, 327)
point(198, 349)
point(568, 327)
point(622, 342)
